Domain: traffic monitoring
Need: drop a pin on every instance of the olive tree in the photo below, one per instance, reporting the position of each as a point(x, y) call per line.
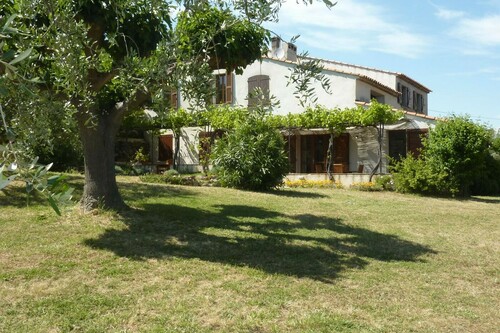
point(106, 58)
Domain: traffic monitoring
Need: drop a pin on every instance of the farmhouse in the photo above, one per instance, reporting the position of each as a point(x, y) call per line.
point(355, 151)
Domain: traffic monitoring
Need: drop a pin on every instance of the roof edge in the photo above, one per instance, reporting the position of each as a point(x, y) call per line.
point(409, 113)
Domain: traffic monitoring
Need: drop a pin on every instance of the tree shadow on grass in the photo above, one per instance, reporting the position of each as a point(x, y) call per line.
point(491, 200)
point(315, 247)
point(131, 191)
point(16, 196)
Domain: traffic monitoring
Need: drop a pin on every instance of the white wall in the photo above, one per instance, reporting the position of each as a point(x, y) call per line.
point(343, 87)
point(188, 148)
point(384, 77)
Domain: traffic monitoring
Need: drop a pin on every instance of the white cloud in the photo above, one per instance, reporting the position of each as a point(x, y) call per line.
point(493, 70)
point(402, 43)
point(331, 42)
point(351, 25)
point(448, 14)
point(483, 31)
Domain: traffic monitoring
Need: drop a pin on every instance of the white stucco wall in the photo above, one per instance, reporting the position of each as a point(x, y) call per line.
point(384, 77)
point(188, 148)
point(343, 87)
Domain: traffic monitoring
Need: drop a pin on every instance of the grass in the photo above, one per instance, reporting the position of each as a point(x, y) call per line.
point(196, 259)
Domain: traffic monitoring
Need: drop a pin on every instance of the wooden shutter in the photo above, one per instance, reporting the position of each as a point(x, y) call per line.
point(173, 99)
point(264, 85)
point(415, 141)
point(165, 150)
point(229, 88)
point(399, 91)
point(254, 82)
point(414, 100)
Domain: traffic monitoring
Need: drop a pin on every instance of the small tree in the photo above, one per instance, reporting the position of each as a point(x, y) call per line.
point(13, 160)
point(454, 154)
point(251, 156)
point(459, 147)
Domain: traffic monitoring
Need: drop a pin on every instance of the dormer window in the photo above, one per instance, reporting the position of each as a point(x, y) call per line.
point(377, 96)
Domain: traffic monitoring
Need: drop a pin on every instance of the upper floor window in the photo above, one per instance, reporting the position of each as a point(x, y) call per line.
point(258, 89)
point(418, 102)
point(377, 96)
point(224, 88)
point(404, 95)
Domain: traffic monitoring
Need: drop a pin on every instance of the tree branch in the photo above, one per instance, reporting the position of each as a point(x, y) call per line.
point(99, 80)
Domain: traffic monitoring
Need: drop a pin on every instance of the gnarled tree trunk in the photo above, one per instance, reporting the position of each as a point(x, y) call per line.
point(98, 140)
point(100, 189)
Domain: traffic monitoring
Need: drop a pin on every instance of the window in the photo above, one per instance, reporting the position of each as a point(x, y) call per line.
point(404, 95)
point(314, 153)
point(258, 88)
point(174, 99)
point(377, 96)
point(224, 88)
point(419, 103)
point(402, 142)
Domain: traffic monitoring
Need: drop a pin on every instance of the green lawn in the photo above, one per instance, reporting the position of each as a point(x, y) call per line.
point(189, 259)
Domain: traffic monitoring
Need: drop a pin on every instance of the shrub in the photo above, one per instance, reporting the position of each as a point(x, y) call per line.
point(367, 186)
point(172, 178)
point(454, 154)
point(487, 180)
point(171, 173)
point(385, 182)
point(459, 147)
point(251, 156)
point(414, 175)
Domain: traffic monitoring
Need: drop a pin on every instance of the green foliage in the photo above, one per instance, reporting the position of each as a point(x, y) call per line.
point(487, 180)
point(140, 157)
point(216, 35)
point(335, 120)
point(174, 119)
point(385, 182)
point(251, 156)
point(367, 187)
point(222, 117)
point(103, 59)
point(171, 177)
point(495, 145)
point(378, 113)
point(415, 175)
point(455, 160)
point(458, 147)
point(35, 176)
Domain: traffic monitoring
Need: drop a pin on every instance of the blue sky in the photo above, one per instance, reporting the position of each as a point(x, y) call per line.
point(450, 46)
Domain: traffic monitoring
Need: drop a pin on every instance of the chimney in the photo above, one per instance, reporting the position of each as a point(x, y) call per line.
point(283, 50)
point(275, 44)
point(291, 53)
